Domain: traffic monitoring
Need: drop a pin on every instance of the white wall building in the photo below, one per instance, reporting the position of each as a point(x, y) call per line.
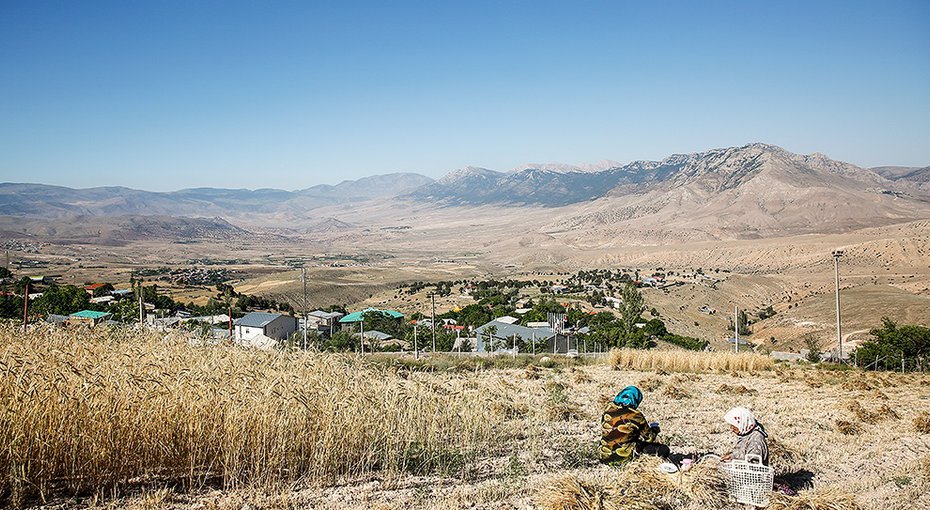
point(255, 325)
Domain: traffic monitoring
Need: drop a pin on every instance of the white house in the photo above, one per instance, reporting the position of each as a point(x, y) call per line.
point(253, 326)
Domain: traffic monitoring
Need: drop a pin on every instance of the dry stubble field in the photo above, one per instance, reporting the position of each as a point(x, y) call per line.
point(142, 421)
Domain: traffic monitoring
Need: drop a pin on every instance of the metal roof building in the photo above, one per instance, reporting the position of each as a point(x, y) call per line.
point(257, 319)
point(546, 338)
point(357, 316)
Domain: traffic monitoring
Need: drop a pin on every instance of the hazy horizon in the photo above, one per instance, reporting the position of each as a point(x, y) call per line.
point(290, 95)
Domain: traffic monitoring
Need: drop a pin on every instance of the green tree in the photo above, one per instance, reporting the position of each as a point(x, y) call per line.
point(126, 310)
point(491, 341)
point(63, 300)
point(103, 290)
point(11, 307)
point(474, 315)
point(814, 350)
point(21, 285)
point(542, 309)
point(891, 342)
point(445, 340)
point(743, 324)
point(383, 322)
point(342, 341)
point(655, 327)
point(631, 308)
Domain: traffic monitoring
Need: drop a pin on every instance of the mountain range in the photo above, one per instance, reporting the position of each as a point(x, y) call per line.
point(747, 191)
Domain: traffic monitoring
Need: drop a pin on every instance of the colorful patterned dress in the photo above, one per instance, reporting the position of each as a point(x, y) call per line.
point(622, 428)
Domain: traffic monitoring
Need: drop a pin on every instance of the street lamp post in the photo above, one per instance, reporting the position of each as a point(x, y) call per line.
point(839, 328)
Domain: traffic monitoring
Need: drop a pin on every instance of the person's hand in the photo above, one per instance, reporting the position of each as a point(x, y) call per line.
point(655, 426)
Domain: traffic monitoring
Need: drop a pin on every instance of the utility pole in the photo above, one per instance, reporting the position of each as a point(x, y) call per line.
point(736, 326)
point(433, 319)
point(303, 274)
point(361, 325)
point(141, 306)
point(25, 307)
point(230, 321)
point(836, 273)
point(416, 350)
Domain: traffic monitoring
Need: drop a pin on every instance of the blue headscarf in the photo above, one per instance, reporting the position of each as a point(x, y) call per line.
point(629, 397)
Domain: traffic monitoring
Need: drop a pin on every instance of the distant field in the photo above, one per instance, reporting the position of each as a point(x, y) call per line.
point(884, 272)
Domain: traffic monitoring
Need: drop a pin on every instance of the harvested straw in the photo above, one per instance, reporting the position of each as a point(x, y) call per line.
point(815, 500)
point(783, 458)
point(885, 412)
point(687, 361)
point(650, 383)
point(857, 384)
point(638, 486)
point(860, 412)
point(704, 485)
point(676, 392)
point(846, 427)
point(571, 493)
point(531, 372)
point(739, 389)
point(580, 376)
point(922, 423)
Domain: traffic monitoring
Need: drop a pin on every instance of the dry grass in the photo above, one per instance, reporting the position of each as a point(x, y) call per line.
point(559, 407)
point(82, 410)
point(687, 361)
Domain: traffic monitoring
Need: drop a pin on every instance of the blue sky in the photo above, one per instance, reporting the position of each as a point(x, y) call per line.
point(168, 95)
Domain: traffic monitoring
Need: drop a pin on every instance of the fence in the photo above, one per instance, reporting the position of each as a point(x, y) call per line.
point(886, 363)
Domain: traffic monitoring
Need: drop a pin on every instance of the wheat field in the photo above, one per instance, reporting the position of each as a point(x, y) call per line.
point(88, 411)
point(687, 361)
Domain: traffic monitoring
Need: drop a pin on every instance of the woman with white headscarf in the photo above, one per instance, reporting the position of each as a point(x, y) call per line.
point(751, 435)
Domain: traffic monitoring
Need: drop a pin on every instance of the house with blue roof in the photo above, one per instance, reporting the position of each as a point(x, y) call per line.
point(88, 317)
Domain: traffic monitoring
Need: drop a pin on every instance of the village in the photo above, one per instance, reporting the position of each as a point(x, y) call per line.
point(574, 314)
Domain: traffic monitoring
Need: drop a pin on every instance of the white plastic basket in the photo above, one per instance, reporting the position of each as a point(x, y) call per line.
point(748, 481)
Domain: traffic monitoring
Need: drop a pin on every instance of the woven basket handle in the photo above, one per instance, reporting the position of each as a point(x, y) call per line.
point(750, 457)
